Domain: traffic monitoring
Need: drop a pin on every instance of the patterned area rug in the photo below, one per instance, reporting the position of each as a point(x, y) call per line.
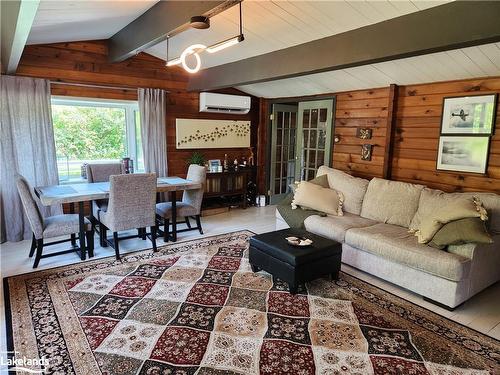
point(196, 308)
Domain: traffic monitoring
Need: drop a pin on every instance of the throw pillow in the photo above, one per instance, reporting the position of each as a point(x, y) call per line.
point(458, 232)
point(456, 210)
point(320, 180)
point(318, 198)
point(353, 188)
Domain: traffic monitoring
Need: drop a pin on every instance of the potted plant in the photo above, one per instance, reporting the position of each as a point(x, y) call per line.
point(196, 158)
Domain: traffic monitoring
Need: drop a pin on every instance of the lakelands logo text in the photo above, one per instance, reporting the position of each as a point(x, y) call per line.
point(23, 364)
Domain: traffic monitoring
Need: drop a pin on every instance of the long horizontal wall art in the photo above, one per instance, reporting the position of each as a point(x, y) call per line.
point(196, 133)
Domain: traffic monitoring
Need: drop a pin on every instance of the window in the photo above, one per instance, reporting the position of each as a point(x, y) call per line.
point(91, 130)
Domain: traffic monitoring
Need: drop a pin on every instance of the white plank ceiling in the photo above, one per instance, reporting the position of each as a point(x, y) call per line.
point(69, 20)
point(272, 25)
point(472, 62)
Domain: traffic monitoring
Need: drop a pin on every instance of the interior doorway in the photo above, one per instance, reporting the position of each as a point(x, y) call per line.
point(301, 141)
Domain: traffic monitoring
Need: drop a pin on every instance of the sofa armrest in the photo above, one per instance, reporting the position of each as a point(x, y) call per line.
point(471, 250)
point(485, 263)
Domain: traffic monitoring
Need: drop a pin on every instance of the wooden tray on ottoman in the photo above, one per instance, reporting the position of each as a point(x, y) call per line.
point(271, 252)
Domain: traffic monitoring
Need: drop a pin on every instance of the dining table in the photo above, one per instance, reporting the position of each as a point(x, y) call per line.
point(79, 193)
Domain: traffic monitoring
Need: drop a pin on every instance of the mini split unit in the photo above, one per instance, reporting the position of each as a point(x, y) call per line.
point(222, 103)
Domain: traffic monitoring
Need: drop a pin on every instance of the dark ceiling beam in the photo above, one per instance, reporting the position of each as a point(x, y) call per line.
point(445, 27)
point(16, 21)
point(162, 19)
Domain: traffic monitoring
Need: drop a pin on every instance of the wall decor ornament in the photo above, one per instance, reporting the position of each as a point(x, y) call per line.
point(463, 154)
point(198, 134)
point(468, 115)
point(366, 152)
point(363, 133)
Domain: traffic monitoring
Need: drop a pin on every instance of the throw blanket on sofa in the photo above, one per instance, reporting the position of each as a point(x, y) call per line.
point(294, 218)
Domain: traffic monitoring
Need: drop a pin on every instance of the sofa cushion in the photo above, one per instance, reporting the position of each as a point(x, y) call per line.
point(391, 202)
point(335, 227)
point(432, 200)
point(395, 243)
point(353, 188)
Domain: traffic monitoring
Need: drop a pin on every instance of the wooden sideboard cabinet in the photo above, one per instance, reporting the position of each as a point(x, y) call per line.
point(229, 183)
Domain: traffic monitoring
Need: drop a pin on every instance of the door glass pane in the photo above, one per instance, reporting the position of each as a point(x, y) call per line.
point(285, 153)
point(278, 153)
point(311, 173)
point(314, 118)
point(306, 138)
point(279, 135)
point(283, 185)
point(305, 119)
point(322, 114)
point(312, 159)
point(286, 120)
point(293, 120)
point(277, 170)
point(321, 139)
point(321, 158)
point(286, 136)
point(280, 120)
point(312, 138)
point(277, 186)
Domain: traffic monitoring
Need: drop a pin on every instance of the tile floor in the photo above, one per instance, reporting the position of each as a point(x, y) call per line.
point(481, 313)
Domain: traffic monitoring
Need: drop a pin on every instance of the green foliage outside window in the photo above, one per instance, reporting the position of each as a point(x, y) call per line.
point(89, 133)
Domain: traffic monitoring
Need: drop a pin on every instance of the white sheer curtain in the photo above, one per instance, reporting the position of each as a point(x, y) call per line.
point(27, 147)
point(153, 107)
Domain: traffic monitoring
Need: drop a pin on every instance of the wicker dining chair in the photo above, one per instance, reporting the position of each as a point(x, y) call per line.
point(49, 227)
point(190, 206)
point(132, 199)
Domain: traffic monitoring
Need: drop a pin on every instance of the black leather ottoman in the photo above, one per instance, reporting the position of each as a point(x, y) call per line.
point(295, 265)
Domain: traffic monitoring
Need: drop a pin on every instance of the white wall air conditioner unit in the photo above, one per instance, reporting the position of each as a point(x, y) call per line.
point(222, 103)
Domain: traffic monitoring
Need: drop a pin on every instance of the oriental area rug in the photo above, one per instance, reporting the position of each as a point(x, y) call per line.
point(195, 307)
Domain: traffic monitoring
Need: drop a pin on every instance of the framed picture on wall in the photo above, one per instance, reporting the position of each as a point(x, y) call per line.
point(463, 154)
point(468, 115)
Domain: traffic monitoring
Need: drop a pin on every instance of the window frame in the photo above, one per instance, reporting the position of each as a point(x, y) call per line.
point(130, 107)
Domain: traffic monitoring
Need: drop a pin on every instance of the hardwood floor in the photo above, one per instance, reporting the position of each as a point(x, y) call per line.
point(481, 313)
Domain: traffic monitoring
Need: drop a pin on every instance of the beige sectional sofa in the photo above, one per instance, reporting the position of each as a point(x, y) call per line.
point(375, 237)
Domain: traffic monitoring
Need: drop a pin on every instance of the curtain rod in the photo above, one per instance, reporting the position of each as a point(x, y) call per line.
point(123, 88)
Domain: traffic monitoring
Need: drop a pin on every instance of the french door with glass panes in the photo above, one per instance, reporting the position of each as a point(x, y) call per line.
point(283, 154)
point(314, 137)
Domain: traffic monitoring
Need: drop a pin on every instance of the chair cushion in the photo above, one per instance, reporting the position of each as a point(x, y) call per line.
point(353, 188)
point(395, 243)
point(164, 209)
point(61, 225)
point(335, 227)
point(275, 245)
point(391, 202)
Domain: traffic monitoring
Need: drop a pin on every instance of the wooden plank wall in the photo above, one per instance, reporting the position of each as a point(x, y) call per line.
point(86, 62)
point(366, 109)
point(417, 136)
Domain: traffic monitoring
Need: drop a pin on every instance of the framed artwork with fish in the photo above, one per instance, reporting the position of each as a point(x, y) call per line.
point(469, 115)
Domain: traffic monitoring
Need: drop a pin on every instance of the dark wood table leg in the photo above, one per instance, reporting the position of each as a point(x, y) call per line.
point(72, 211)
point(81, 220)
point(173, 197)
